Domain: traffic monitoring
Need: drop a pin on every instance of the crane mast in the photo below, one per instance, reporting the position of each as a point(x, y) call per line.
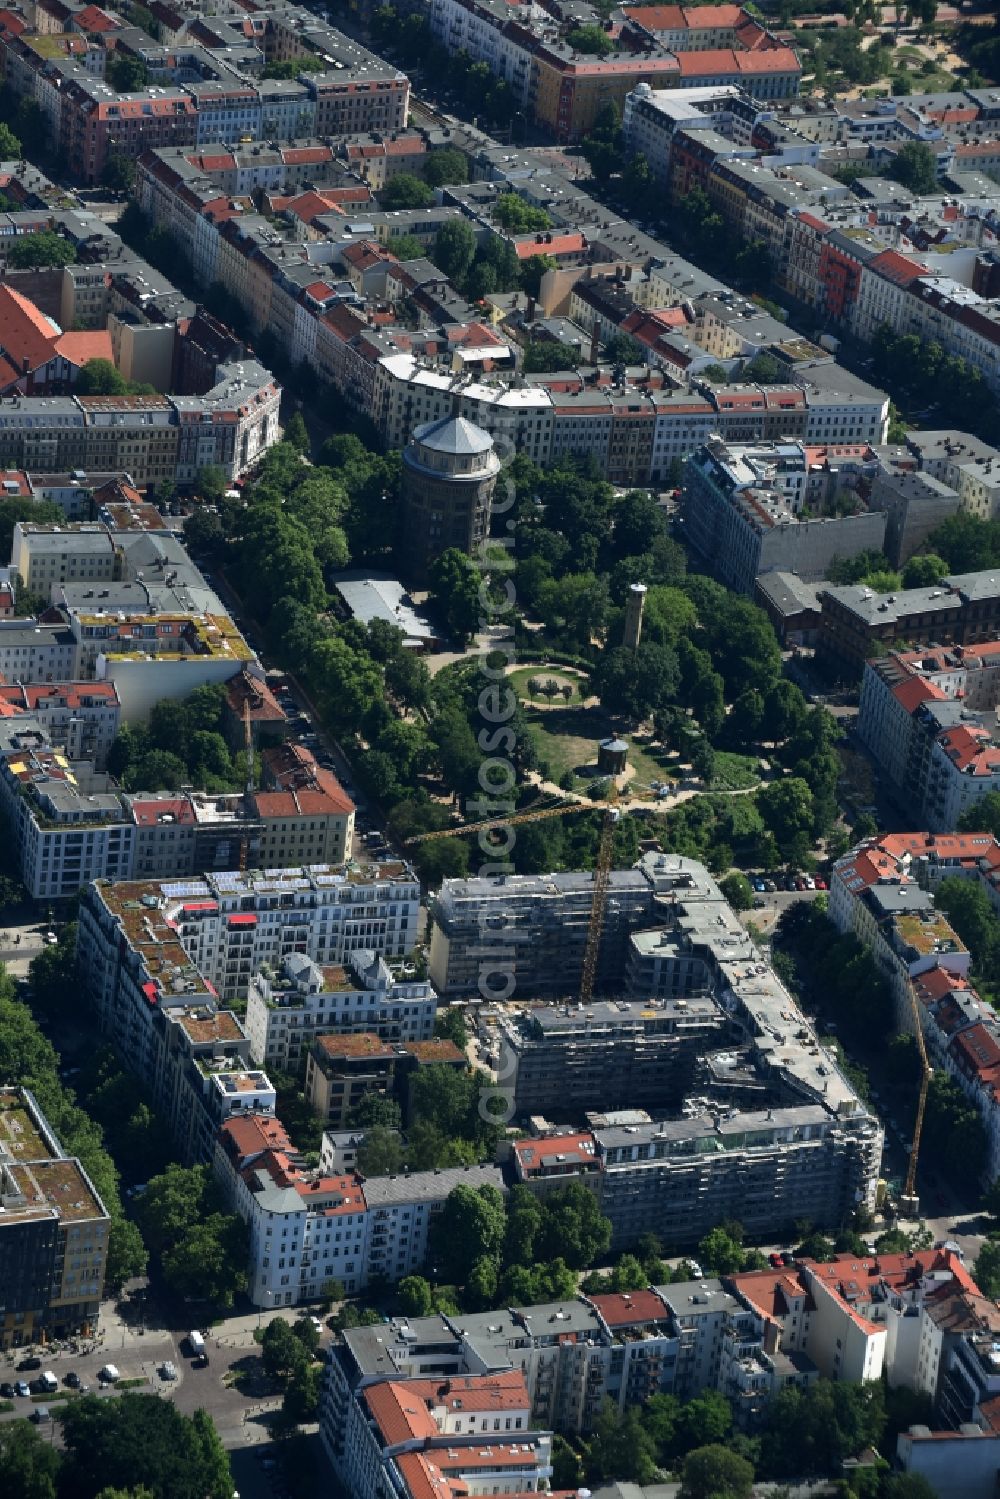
point(910, 1202)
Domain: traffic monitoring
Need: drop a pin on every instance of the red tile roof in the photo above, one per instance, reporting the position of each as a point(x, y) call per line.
point(914, 691)
point(149, 813)
point(970, 749)
point(550, 1150)
point(248, 689)
point(400, 1413)
point(980, 1053)
point(254, 1133)
point(30, 696)
point(77, 348)
point(27, 336)
point(570, 243)
point(92, 18)
point(897, 268)
point(724, 60)
point(630, 1308)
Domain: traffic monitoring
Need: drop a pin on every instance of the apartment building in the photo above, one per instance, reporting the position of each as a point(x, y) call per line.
point(883, 892)
point(228, 926)
point(311, 289)
point(402, 1208)
point(305, 815)
point(206, 92)
point(965, 463)
point(559, 1060)
point(929, 719)
point(743, 513)
point(306, 1229)
point(773, 1126)
point(473, 1430)
point(564, 89)
point(54, 1231)
point(288, 1008)
point(81, 719)
point(342, 1069)
point(855, 622)
point(748, 1336)
point(153, 438)
point(522, 936)
point(312, 1225)
point(681, 1176)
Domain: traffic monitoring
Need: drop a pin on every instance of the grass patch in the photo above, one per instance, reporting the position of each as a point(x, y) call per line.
point(131, 1384)
point(651, 762)
point(734, 772)
point(520, 678)
point(567, 739)
point(6, 1406)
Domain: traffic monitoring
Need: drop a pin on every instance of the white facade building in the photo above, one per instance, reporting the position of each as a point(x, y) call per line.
point(287, 1011)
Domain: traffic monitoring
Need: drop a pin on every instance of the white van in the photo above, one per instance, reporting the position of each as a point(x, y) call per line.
point(48, 1381)
point(196, 1343)
point(110, 1374)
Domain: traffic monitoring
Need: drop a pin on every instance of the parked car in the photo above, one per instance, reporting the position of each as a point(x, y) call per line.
point(6, 1391)
point(28, 1363)
point(201, 1362)
point(757, 885)
point(168, 1370)
point(770, 886)
point(821, 883)
point(775, 1260)
point(40, 1414)
point(22, 1389)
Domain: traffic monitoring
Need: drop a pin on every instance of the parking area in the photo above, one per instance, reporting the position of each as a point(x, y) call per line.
point(151, 1359)
point(770, 904)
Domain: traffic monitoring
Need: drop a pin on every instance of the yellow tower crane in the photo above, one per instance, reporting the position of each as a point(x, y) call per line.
point(602, 868)
point(909, 1202)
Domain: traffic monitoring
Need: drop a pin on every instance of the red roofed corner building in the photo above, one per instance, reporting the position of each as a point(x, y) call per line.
point(306, 815)
point(441, 1438)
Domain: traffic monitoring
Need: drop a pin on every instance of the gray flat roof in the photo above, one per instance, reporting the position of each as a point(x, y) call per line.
point(788, 592)
point(416, 1186)
point(379, 596)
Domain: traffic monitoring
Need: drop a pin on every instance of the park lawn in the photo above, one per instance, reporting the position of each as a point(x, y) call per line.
point(520, 678)
point(567, 738)
point(651, 762)
point(734, 772)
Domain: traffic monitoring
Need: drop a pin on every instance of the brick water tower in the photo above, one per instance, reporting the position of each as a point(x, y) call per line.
point(449, 475)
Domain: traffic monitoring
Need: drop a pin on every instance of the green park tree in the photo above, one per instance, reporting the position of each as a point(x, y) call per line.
point(34, 252)
point(141, 1440)
point(406, 191)
point(453, 593)
point(29, 1465)
point(446, 164)
point(716, 1472)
